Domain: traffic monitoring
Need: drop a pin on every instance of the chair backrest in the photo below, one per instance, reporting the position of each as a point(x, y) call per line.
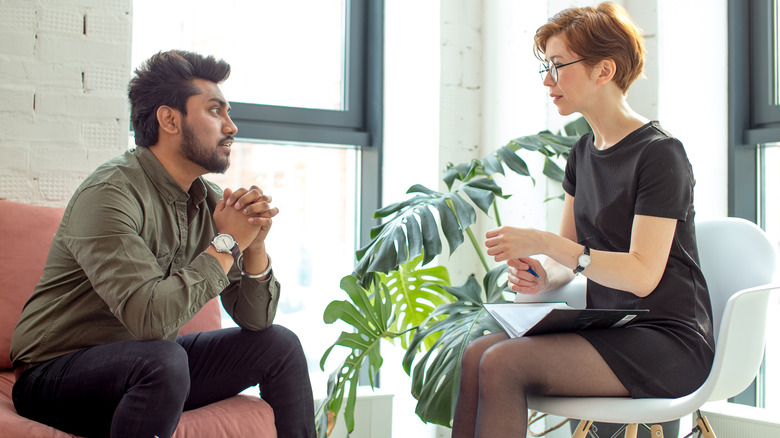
point(735, 254)
point(738, 261)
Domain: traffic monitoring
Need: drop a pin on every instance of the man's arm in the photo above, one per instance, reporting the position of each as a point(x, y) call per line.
point(253, 300)
point(104, 234)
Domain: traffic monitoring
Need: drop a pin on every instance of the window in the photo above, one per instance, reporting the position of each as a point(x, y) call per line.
point(305, 91)
point(754, 137)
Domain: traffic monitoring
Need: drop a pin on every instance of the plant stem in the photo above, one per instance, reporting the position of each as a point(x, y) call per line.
point(477, 247)
point(495, 211)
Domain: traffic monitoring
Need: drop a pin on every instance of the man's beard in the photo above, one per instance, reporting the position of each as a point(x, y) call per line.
point(200, 154)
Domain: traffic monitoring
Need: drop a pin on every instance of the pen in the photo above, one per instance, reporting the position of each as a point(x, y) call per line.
point(532, 272)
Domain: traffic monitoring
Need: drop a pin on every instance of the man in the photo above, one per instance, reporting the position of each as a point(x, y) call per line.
point(144, 243)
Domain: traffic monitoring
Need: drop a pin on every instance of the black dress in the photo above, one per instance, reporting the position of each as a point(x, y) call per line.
point(669, 351)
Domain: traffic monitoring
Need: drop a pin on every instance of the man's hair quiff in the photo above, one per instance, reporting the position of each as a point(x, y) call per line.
point(166, 79)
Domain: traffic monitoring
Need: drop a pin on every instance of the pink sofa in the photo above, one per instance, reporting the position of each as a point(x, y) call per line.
point(26, 232)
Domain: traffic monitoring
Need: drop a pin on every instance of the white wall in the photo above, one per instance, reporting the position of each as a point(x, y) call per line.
point(64, 67)
point(692, 98)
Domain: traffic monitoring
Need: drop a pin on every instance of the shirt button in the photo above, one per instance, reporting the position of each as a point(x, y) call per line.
point(177, 260)
point(221, 283)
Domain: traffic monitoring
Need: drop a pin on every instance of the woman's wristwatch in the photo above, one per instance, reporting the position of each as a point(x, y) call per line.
point(583, 261)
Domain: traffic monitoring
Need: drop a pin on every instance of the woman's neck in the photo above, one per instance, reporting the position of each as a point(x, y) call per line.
point(613, 122)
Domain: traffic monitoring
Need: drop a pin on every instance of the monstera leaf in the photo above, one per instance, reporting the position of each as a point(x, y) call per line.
point(415, 293)
point(412, 229)
point(393, 297)
point(435, 378)
point(548, 144)
point(370, 314)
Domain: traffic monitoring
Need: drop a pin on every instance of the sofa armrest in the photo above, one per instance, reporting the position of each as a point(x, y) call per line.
point(572, 293)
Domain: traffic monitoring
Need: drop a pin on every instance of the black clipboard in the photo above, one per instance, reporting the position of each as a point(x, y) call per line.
point(528, 319)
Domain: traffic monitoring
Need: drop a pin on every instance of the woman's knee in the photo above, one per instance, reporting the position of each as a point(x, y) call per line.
point(472, 354)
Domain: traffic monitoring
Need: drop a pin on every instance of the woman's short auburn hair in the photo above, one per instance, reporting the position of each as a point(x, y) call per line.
point(596, 34)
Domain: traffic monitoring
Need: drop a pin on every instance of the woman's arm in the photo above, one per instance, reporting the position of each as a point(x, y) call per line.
point(638, 271)
point(552, 275)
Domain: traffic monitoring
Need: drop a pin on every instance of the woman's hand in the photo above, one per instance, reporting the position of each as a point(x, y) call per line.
point(505, 243)
point(521, 280)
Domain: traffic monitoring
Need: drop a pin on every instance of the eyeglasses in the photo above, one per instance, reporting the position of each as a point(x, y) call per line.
point(553, 69)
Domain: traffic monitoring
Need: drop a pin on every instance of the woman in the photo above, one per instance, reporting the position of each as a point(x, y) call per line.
point(627, 226)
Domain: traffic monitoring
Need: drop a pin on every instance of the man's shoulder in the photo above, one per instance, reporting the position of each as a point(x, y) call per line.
point(120, 181)
point(118, 172)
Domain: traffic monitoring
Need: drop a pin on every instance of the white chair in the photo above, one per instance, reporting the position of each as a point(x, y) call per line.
point(738, 261)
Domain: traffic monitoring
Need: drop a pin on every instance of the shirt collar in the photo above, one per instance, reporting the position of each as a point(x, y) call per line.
point(164, 182)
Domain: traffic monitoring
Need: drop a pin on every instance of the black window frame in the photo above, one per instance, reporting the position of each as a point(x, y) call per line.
point(753, 121)
point(358, 124)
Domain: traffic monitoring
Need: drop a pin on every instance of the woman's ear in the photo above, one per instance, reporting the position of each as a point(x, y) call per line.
point(169, 119)
point(607, 69)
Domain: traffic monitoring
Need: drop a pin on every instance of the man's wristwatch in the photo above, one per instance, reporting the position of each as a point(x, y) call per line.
point(226, 243)
point(583, 261)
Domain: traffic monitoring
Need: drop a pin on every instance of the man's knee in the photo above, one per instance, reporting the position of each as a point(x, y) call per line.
point(165, 363)
point(279, 343)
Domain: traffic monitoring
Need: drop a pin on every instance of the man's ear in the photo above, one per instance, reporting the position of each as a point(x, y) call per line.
point(169, 119)
point(607, 69)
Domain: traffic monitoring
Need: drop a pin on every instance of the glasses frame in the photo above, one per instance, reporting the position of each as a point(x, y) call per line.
point(552, 69)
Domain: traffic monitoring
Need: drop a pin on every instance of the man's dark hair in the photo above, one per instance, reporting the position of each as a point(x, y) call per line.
point(166, 79)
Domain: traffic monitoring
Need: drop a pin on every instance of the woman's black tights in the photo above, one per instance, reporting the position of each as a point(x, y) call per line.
point(498, 373)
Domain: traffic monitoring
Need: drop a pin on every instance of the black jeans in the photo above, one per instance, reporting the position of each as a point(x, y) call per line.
point(139, 388)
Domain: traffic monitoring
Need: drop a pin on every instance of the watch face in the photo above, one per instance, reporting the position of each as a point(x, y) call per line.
point(223, 242)
point(584, 260)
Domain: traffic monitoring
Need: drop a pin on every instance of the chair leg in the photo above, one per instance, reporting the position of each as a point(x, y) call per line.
point(582, 429)
point(704, 426)
point(656, 431)
point(631, 430)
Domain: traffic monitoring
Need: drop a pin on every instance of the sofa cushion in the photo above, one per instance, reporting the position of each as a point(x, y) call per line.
point(26, 232)
point(208, 318)
point(238, 416)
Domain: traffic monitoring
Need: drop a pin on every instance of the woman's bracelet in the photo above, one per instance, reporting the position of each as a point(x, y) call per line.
point(240, 263)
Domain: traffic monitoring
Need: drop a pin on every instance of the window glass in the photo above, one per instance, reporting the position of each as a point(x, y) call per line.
point(285, 53)
point(312, 240)
point(770, 162)
point(770, 218)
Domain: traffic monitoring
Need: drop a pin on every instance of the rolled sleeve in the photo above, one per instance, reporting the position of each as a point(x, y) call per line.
point(251, 303)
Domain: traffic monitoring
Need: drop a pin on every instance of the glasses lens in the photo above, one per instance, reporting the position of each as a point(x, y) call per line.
point(548, 68)
point(553, 71)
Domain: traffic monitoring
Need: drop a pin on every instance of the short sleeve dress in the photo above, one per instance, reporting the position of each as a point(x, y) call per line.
point(669, 351)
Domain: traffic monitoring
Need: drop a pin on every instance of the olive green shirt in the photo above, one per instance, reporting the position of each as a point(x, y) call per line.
point(127, 263)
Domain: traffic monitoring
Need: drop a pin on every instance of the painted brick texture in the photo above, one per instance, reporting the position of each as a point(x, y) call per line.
point(64, 68)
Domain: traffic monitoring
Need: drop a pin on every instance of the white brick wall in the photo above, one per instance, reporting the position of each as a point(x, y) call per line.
point(64, 68)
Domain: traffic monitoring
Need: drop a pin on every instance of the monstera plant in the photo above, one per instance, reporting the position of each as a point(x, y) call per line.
point(396, 294)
